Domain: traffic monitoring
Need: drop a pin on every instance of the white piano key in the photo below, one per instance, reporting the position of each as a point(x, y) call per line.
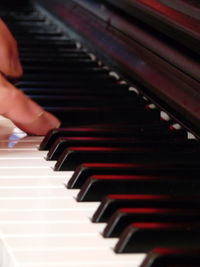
point(6, 256)
point(40, 171)
point(64, 241)
point(71, 210)
point(32, 181)
point(44, 203)
point(54, 227)
point(31, 138)
point(5, 163)
point(66, 214)
point(29, 191)
point(83, 257)
point(22, 153)
point(79, 264)
point(19, 145)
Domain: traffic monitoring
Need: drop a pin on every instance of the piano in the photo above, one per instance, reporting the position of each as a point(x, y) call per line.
point(118, 184)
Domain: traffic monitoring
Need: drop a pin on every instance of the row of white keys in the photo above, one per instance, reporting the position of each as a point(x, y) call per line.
point(41, 222)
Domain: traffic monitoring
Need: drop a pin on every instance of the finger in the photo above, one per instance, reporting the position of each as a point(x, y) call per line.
point(25, 113)
point(9, 57)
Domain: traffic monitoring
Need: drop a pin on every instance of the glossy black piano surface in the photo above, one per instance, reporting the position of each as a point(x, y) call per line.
point(123, 76)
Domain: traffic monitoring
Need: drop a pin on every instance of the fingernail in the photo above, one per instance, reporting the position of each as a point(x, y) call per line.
point(50, 120)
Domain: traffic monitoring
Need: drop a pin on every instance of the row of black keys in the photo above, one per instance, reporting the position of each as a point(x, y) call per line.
point(145, 174)
point(146, 203)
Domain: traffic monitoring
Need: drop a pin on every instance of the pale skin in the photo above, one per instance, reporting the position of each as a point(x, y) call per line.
point(14, 105)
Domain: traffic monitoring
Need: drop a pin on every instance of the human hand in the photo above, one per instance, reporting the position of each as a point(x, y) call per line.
point(16, 106)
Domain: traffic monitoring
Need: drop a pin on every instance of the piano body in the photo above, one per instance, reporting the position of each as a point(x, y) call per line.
point(118, 183)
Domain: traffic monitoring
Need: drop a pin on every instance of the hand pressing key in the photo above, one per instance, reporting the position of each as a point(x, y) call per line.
point(14, 105)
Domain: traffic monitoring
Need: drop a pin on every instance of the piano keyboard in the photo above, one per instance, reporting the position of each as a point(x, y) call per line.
point(41, 224)
point(115, 186)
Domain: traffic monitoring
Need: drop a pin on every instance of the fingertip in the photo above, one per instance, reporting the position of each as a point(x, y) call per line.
point(41, 125)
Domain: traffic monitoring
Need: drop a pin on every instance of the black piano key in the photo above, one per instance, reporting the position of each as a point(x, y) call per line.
point(67, 81)
point(112, 203)
point(64, 142)
point(71, 85)
point(63, 64)
point(23, 27)
point(54, 134)
point(70, 92)
point(142, 237)
point(53, 53)
point(54, 45)
point(109, 87)
point(71, 116)
point(82, 76)
point(55, 56)
point(24, 19)
point(49, 50)
point(19, 9)
point(65, 43)
point(87, 101)
point(172, 257)
point(86, 170)
point(126, 216)
point(74, 156)
point(81, 115)
point(98, 186)
point(39, 36)
point(152, 130)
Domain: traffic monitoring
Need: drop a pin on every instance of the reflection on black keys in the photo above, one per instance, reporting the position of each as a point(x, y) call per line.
point(172, 257)
point(124, 217)
point(142, 237)
point(98, 186)
point(74, 156)
point(111, 203)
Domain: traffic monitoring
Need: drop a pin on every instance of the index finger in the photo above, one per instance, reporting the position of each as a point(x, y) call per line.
point(24, 112)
